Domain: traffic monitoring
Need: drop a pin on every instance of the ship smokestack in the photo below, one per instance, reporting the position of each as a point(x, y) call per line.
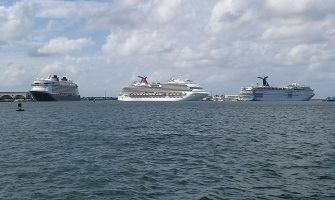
point(265, 82)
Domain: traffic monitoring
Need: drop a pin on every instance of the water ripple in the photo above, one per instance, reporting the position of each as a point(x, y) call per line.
point(189, 150)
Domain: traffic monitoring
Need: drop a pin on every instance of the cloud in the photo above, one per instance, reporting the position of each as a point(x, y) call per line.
point(228, 15)
point(298, 21)
point(197, 57)
point(16, 21)
point(62, 45)
point(304, 32)
point(137, 43)
point(58, 68)
point(310, 55)
point(165, 11)
point(123, 14)
point(68, 9)
point(307, 9)
point(15, 72)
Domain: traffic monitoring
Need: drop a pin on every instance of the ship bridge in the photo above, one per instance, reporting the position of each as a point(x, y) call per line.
point(11, 96)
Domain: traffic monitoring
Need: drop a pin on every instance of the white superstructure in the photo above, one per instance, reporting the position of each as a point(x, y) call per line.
point(174, 90)
point(53, 89)
point(293, 92)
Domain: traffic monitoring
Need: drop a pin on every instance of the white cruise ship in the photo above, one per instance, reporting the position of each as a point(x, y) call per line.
point(293, 92)
point(174, 90)
point(53, 89)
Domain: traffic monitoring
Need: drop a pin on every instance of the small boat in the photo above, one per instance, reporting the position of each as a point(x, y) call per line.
point(19, 107)
point(329, 99)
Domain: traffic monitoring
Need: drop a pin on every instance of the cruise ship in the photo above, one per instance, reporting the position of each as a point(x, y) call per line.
point(292, 92)
point(54, 89)
point(174, 90)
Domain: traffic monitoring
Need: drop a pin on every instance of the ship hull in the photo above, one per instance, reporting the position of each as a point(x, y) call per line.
point(45, 96)
point(189, 96)
point(289, 95)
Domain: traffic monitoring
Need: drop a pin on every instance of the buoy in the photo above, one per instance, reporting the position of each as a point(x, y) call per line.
point(19, 107)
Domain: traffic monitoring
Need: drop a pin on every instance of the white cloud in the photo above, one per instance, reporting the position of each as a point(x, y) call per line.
point(195, 57)
point(62, 45)
point(58, 68)
point(127, 3)
point(12, 74)
point(298, 21)
point(137, 43)
point(67, 9)
point(16, 21)
point(123, 14)
point(311, 9)
point(228, 15)
point(309, 55)
point(164, 11)
point(297, 32)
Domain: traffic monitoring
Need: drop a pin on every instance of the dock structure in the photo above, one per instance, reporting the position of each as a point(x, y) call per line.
point(12, 96)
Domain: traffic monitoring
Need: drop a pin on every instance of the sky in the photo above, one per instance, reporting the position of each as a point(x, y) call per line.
point(103, 45)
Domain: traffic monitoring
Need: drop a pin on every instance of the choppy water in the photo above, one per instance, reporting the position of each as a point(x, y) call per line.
point(169, 150)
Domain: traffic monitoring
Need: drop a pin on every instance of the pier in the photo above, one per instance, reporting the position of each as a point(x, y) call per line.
point(26, 96)
point(12, 96)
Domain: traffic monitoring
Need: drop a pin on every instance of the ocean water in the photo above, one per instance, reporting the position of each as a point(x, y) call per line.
point(167, 150)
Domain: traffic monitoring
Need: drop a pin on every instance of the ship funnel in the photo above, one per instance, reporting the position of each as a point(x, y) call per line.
point(143, 79)
point(265, 82)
